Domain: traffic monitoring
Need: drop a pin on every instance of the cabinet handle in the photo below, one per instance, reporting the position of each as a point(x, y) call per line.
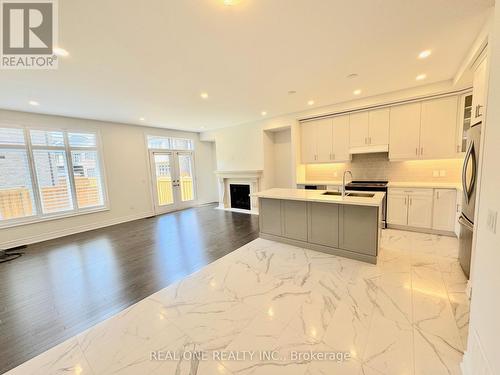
point(478, 110)
point(410, 201)
point(370, 140)
point(416, 150)
point(405, 201)
point(333, 157)
point(437, 197)
point(421, 151)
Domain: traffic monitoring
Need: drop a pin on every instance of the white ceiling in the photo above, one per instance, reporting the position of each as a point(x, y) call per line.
point(131, 59)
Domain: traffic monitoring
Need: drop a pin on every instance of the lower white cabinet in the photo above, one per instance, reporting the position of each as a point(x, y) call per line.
point(422, 208)
point(410, 207)
point(445, 207)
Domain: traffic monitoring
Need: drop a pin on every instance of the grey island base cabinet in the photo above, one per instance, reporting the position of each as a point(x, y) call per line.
point(351, 231)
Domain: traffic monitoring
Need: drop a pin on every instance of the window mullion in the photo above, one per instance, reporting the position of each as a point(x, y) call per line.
point(72, 182)
point(33, 174)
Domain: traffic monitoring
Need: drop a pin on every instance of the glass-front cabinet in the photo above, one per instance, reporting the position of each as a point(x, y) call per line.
point(465, 121)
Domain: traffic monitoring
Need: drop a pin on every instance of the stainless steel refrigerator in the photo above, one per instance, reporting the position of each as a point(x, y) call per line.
point(469, 188)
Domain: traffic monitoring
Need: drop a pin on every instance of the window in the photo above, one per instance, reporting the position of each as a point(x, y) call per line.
point(167, 143)
point(48, 172)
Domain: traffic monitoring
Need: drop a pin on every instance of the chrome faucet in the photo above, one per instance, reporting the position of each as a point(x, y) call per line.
point(343, 182)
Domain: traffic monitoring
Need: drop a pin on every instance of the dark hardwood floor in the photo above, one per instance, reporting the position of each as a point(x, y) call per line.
point(64, 286)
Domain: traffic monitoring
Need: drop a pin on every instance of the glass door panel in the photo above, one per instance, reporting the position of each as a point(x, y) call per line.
point(162, 164)
point(186, 176)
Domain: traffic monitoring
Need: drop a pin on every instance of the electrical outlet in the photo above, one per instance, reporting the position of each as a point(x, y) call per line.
point(492, 221)
point(435, 173)
point(442, 173)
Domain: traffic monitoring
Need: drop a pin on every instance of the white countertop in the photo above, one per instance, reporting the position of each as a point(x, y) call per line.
point(429, 185)
point(411, 184)
point(316, 196)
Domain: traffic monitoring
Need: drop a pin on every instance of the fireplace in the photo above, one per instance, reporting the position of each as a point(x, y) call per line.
point(240, 196)
point(235, 188)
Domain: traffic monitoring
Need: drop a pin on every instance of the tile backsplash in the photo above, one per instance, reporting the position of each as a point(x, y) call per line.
point(378, 167)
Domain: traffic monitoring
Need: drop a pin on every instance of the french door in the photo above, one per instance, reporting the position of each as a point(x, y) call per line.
point(173, 180)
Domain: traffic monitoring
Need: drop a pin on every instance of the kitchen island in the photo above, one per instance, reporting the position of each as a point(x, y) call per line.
point(325, 221)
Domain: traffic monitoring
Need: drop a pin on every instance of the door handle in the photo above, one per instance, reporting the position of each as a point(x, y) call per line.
point(464, 171)
point(465, 222)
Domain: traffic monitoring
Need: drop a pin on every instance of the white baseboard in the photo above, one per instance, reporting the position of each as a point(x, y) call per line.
point(474, 361)
point(73, 230)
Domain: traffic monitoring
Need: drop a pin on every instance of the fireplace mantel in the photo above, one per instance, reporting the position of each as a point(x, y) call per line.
point(247, 177)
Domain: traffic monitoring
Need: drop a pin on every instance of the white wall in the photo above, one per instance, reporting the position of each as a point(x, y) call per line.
point(242, 147)
point(482, 351)
point(125, 158)
point(283, 162)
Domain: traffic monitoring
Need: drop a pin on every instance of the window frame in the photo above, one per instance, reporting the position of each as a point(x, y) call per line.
point(29, 148)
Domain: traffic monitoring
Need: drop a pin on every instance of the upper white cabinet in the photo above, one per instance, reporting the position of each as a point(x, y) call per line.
point(424, 130)
point(479, 90)
point(445, 208)
point(438, 132)
point(404, 135)
point(325, 140)
point(369, 131)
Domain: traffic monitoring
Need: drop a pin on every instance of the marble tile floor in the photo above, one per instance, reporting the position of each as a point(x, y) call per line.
point(274, 306)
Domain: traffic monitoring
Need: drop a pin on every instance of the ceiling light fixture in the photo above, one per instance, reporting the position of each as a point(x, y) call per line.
point(142, 119)
point(357, 92)
point(291, 92)
point(310, 102)
point(263, 113)
point(60, 52)
point(424, 54)
point(34, 103)
point(420, 77)
point(204, 95)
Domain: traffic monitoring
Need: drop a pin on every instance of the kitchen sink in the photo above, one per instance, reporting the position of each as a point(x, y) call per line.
point(332, 193)
point(361, 195)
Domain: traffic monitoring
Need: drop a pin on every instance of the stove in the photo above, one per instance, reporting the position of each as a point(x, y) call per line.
point(358, 185)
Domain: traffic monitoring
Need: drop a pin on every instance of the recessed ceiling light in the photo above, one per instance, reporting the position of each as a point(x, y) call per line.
point(142, 119)
point(421, 77)
point(291, 92)
point(60, 52)
point(352, 75)
point(310, 102)
point(357, 92)
point(34, 103)
point(424, 54)
point(204, 95)
point(202, 127)
point(263, 113)
point(229, 2)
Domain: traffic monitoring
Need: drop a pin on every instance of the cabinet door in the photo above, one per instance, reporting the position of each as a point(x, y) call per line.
point(324, 140)
point(351, 238)
point(445, 206)
point(420, 209)
point(270, 216)
point(358, 129)
point(404, 132)
point(479, 92)
point(378, 133)
point(323, 228)
point(340, 140)
point(308, 142)
point(439, 128)
point(397, 209)
point(294, 220)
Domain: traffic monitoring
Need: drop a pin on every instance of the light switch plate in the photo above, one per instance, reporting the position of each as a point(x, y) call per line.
point(442, 173)
point(435, 173)
point(492, 221)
